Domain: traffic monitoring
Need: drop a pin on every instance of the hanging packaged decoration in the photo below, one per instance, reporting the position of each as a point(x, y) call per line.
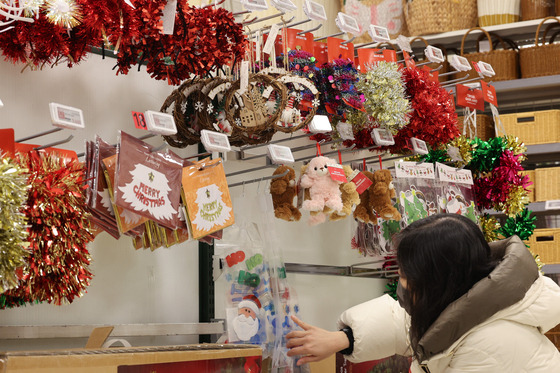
point(58, 265)
point(13, 232)
point(206, 198)
point(147, 182)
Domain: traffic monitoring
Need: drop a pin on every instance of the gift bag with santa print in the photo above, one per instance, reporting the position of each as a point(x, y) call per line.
point(206, 198)
point(457, 194)
point(148, 182)
point(126, 219)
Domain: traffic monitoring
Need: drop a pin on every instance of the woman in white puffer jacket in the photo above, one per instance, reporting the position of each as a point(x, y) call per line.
point(464, 306)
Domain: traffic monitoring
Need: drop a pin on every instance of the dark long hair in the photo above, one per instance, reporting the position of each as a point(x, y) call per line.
point(441, 257)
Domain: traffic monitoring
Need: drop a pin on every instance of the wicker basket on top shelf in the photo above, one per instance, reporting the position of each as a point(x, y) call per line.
point(424, 17)
point(542, 59)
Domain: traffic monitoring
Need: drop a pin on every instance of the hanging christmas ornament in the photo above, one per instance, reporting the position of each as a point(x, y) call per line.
point(460, 150)
point(13, 233)
point(522, 225)
point(64, 13)
point(490, 227)
point(58, 265)
point(31, 8)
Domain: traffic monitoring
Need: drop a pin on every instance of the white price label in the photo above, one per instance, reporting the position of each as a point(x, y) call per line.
point(168, 17)
point(486, 69)
point(280, 154)
point(404, 43)
point(66, 116)
point(255, 5)
point(320, 124)
point(382, 137)
point(285, 6)
point(215, 141)
point(419, 146)
point(380, 34)
point(161, 123)
point(434, 54)
point(460, 63)
point(347, 23)
point(552, 205)
point(314, 10)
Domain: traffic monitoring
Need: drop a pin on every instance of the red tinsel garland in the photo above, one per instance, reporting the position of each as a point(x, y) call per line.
point(58, 265)
point(433, 119)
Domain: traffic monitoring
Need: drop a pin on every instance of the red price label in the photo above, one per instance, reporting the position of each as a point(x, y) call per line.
point(139, 120)
point(362, 182)
point(489, 93)
point(471, 98)
point(337, 173)
point(335, 49)
point(433, 76)
point(408, 61)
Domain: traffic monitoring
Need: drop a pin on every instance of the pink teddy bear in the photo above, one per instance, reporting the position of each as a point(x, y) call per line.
point(323, 190)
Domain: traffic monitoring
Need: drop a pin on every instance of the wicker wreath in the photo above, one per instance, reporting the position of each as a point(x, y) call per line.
point(256, 110)
point(184, 112)
point(177, 140)
point(303, 100)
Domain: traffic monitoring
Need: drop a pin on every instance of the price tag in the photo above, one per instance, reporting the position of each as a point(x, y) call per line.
point(215, 141)
point(66, 116)
point(419, 146)
point(434, 54)
point(280, 154)
point(486, 69)
point(244, 77)
point(362, 181)
point(271, 39)
point(139, 120)
point(255, 5)
point(404, 43)
point(476, 68)
point(314, 10)
point(168, 17)
point(459, 63)
point(161, 123)
point(320, 124)
point(471, 98)
point(489, 93)
point(347, 23)
point(552, 205)
point(382, 137)
point(379, 34)
point(337, 173)
point(285, 6)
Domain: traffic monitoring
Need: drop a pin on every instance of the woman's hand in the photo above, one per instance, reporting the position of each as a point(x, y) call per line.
point(314, 344)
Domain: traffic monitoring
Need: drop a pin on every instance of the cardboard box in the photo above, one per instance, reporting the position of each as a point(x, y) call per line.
point(168, 359)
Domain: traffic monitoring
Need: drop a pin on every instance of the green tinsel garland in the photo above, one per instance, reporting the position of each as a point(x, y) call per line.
point(521, 225)
point(13, 232)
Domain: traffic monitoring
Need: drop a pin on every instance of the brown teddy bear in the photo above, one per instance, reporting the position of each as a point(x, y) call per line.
point(350, 197)
point(283, 191)
point(380, 194)
point(364, 211)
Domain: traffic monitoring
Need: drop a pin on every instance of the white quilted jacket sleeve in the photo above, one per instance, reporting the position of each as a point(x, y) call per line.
point(379, 327)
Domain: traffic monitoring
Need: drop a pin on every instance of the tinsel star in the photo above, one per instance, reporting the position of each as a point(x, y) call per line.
point(64, 13)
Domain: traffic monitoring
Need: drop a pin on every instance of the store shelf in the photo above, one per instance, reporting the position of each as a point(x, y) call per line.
point(124, 330)
point(528, 92)
point(524, 30)
point(350, 271)
point(535, 207)
point(551, 269)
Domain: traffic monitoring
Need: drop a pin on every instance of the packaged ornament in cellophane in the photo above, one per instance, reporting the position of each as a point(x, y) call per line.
point(206, 198)
point(457, 194)
point(147, 181)
point(126, 219)
point(57, 269)
point(417, 191)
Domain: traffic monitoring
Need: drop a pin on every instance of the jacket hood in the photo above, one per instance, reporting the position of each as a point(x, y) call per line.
point(506, 285)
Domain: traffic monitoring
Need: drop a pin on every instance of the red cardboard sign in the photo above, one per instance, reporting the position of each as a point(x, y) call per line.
point(369, 56)
point(362, 182)
point(433, 76)
point(338, 50)
point(320, 53)
point(139, 120)
point(63, 153)
point(299, 42)
point(408, 61)
point(489, 93)
point(7, 141)
point(471, 98)
point(337, 173)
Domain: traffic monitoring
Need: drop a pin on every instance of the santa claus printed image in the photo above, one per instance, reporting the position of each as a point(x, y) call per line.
point(246, 323)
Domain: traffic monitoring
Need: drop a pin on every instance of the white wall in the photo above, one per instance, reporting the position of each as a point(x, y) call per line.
point(162, 286)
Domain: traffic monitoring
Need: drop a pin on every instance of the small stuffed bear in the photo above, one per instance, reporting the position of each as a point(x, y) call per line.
point(315, 217)
point(283, 191)
point(350, 197)
point(364, 212)
point(323, 190)
point(380, 194)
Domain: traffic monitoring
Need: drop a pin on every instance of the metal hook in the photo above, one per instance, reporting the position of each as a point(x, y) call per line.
point(39, 134)
point(436, 69)
point(349, 40)
point(300, 22)
point(241, 13)
point(55, 143)
point(404, 59)
point(424, 63)
point(450, 73)
point(364, 44)
point(380, 51)
point(257, 19)
point(461, 80)
point(329, 36)
point(311, 29)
